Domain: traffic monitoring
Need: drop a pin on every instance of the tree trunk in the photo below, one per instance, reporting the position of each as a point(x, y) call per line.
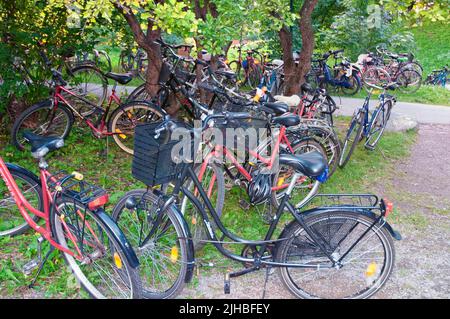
point(294, 81)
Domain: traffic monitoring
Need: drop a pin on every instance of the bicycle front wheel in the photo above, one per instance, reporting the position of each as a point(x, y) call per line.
point(409, 81)
point(363, 271)
point(378, 125)
point(160, 242)
point(352, 138)
point(104, 270)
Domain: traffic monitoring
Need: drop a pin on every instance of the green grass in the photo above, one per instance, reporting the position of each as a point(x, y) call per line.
point(83, 153)
point(426, 94)
point(433, 45)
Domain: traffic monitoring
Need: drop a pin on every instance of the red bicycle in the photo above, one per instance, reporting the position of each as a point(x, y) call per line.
point(55, 116)
point(74, 222)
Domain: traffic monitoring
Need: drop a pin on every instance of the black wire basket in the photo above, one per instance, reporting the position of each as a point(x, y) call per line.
point(153, 162)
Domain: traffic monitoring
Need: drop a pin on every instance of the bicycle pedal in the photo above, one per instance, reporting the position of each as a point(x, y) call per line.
point(30, 266)
point(227, 285)
point(244, 204)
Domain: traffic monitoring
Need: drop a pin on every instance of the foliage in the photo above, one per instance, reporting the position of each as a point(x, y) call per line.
point(22, 25)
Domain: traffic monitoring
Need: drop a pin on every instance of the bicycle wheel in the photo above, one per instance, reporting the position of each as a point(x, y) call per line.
point(355, 85)
point(42, 119)
point(375, 77)
point(125, 118)
point(139, 94)
point(163, 258)
point(352, 138)
point(409, 81)
point(12, 222)
point(213, 182)
point(104, 270)
point(88, 82)
point(142, 67)
point(364, 270)
point(378, 125)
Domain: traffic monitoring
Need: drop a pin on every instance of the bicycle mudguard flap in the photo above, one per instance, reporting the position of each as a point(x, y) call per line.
point(24, 171)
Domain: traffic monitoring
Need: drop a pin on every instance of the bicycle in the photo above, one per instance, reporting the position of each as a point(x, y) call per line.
point(333, 251)
point(342, 76)
point(361, 127)
point(75, 223)
point(55, 116)
point(136, 63)
point(439, 77)
point(249, 70)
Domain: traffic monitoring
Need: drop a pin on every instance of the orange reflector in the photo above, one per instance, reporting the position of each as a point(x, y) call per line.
point(389, 207)
point(117, 261)
point(194, 220)
point(98, 202)
point(121, 135)
point(174, 254)
point(371, 269)
point(78, 176)
point(280, 181)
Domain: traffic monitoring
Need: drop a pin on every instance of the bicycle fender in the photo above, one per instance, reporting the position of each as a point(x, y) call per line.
point(358, 211)
point(24, 171)
point(127, 249)
point(190, 244)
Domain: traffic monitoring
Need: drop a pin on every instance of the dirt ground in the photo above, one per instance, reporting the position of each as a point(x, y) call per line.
point(420, 188)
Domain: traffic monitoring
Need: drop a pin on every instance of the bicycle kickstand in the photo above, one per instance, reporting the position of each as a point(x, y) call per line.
point(268, 269)
point(41, 266)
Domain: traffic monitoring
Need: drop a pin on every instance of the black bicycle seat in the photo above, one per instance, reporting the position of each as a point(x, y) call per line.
point(311, 164)
point(42, 145)
point(278, 108)
point(287, 120)
point(122, 78)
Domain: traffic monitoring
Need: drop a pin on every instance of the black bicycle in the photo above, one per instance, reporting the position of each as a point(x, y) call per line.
point(341, 250)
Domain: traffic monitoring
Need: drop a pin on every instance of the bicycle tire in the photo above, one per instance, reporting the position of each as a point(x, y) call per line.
point(144, 199)
point(60, 212)
point(380, 112)
point(356, 122)
point(87, 88)
point(124, 125)
point(303, 248)
point(16, 138)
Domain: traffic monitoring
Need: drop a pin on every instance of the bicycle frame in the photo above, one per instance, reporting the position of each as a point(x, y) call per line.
point(24, 206)
point(220, 150)
point(100, 131)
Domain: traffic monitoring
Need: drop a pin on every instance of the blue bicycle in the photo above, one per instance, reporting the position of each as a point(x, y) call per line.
point(439, 77)
point(372, 129)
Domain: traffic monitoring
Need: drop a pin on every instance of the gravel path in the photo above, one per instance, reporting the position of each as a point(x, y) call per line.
point(419, 186)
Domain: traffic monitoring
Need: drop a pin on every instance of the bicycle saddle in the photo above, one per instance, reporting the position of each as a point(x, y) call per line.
point(278, 108)
point(287, 120)
point(42, 145)
point(123, 78)
point(311, 164)
point(291, 101)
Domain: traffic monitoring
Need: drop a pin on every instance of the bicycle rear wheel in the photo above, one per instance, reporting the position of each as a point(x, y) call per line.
point(364, 270)
point(125, 118)
point(42, 119)
point(352, 138)
point(104, 270)
point(409, 81)
point(163, 258)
